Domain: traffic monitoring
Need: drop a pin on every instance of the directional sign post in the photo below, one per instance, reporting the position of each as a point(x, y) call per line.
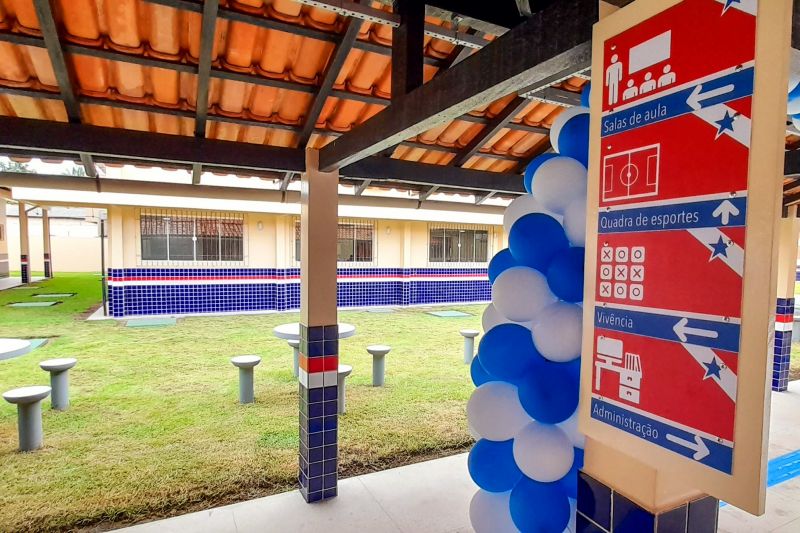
point(685, 174)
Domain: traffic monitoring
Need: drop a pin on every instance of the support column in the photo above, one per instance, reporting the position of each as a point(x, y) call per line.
point(319, 332)
point(24, 244)
point(48, 267)
point(784, 312)
point(3, 240)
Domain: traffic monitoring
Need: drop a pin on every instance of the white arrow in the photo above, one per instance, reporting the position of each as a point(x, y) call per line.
point(724, 212)
point(682, 331)
point(698, 446)
point(696, 98)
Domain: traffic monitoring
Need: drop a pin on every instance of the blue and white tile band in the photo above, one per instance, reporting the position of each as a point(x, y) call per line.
point(154, 291)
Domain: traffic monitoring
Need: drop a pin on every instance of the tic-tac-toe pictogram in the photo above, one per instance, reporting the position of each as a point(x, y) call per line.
point(621, 272)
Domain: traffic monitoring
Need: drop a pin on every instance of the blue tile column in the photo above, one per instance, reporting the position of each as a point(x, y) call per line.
point(601, 509)
point(319, 333)
point(784, 321)
point(48, 269)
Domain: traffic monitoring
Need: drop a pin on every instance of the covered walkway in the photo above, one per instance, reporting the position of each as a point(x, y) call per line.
point(433, 497)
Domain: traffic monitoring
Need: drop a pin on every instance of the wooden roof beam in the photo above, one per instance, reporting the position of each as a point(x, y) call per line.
point(550, 44)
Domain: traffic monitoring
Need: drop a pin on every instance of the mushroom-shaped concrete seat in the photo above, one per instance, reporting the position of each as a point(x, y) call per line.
point(58, 365)
point(378, 352)
point(245, 361)
point(246, 364)
point(59, 380)
point(344, 371)
point(469, 343)
point(27, 395)
point(29, 414)
point(295, 344)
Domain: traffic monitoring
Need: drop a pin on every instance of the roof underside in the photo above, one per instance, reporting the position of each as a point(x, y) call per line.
point(134, 64)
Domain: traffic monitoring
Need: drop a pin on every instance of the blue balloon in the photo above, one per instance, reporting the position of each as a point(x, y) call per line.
point(586, 95)
point(535, 239)
point(479, 374)
point(507, 352)
point(538, 507)
point(549, 393)
point(573, 141)
point(532, 167)
point(565, 274)
point(491, 465)
point(570, 481)
point(502, 260)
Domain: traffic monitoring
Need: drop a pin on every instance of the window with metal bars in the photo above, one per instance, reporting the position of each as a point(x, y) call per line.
point(174, 236)
point(354, 241)
point(452, 244)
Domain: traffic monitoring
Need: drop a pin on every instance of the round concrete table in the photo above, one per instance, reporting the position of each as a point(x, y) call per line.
point(295, 344)
point(344, 371)
point(245, 364)
point(469, 344)
point(291, 331)
point(59, 380)
point(13, 347)
point(29, 414)
point(378, 353)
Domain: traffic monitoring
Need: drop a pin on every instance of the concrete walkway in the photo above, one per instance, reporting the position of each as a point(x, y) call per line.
point(10, 283)
point(433, 497)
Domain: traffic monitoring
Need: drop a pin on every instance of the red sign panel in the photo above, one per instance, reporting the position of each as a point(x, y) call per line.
point(675, 131)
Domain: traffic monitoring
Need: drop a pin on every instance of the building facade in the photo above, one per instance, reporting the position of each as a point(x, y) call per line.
point(181, 261)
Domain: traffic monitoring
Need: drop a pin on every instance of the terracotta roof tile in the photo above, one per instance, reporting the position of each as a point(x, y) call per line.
point(150, 98)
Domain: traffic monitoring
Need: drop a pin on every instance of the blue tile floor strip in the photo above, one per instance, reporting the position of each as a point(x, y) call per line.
point(781, 469)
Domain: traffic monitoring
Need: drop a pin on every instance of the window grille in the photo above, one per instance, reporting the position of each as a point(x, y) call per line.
point(448, 243)
point(354, 241)
point(186, 237)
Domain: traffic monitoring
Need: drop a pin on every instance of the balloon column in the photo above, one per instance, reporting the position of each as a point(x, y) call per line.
point(528, 365)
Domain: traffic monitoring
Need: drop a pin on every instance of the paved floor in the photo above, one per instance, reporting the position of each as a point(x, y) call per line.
point(10, 283)
point(433, 497)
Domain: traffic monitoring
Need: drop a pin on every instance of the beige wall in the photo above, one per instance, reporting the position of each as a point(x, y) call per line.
point(397, 243)
point(75, 245)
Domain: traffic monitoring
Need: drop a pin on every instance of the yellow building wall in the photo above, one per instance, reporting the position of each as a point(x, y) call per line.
point(270, 241)
point(70, 251)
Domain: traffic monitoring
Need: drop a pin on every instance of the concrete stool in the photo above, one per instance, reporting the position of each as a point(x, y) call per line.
point(344, 371)
point(469, 344)
point(378, 352)
point(29, 414)
point(59, 380)
point(245, 364)
point(296, 349)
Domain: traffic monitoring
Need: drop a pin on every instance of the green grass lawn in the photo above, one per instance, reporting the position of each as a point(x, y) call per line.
point(154, 426)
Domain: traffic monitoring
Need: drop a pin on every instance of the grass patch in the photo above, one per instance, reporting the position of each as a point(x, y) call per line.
point(154, 427)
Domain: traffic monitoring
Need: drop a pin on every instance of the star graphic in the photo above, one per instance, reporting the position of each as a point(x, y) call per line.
point(725, 123)
point(712, 369)
point(719, 248)
point(728, 4)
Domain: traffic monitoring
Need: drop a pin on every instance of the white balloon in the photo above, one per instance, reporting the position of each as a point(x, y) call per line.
point(793, 106)
point(796, 121)
point(521, 206)
point(570, 429)
point(543, 452)
point(492, 317)
point(473, 432)
point(519, 293)
point(575, 221)
point(561, 119)
point(494, 411)
point(558, 182)
point(557, 332)
point(490, 512)
point(573, 507)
